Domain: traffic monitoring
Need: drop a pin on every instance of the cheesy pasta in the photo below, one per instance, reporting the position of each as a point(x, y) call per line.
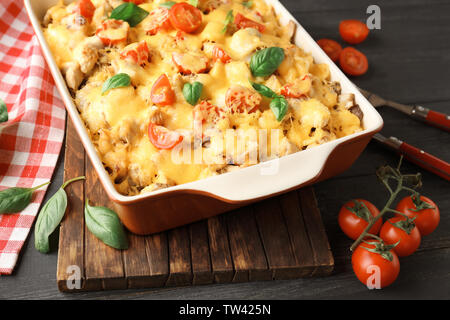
point(218, 81)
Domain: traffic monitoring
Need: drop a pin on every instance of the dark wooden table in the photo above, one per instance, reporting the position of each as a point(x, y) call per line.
point(410, 63)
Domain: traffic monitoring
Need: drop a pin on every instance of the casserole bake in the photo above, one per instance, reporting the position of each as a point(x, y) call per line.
point(183, 203)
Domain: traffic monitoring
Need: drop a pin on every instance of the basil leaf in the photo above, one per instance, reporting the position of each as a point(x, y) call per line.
point(247, 4)
point(3, 111)
point(48, 220)
point(266, 61)
point(130, 13)
point(264, 90)
point(279, 107)
point(193, 3)
point(167, 4)
point(117, 81)
point(106, 226)
point(13, 200)
point(192, 92)
point(228, 19)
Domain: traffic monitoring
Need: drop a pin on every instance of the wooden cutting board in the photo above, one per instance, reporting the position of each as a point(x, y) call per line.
point(279, 238)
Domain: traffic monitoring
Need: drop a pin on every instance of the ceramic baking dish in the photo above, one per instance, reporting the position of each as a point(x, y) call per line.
point(178, 205)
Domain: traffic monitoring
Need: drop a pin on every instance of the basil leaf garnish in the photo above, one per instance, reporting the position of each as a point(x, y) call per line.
point(130, 13)
point(264, 90)
point(50, 217)
point(105, 225)
point(228, 19)
point(193, 3)
point(192, 92)
point(279, 107)
point(3, 111)
point(247, 4)
point(264, 62)
point(13, 200)
point(167, 4)
point(117, 81)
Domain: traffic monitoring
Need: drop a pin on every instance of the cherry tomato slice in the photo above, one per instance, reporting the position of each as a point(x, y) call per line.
point(241, 99)
point(113, 32)
point(391, 234)
point(353, 31)
point(364, 265)
point(218, 54)
point(157, 20)
point(136, 53)
point(163, 138)
point(353, 224)
point(331, 48)
point(297, 89)
point(427, 219)
point(188, 63)
point(162, 93)
point(353, 62)
point(85, 8)
point(242, 22)
point(185, 17)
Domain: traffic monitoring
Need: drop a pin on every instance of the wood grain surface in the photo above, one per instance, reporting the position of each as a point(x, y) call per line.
point(408, 61)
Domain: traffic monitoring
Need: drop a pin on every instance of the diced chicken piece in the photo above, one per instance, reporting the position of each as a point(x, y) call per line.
point(157, 116)
point(291, 27)
point(86, 56)
point(347, 100)
point(244, 42)
point(312, 113)
point(189, 63)
point(74, 75)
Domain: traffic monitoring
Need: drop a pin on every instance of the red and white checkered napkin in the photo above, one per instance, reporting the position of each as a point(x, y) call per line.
point(31, 140)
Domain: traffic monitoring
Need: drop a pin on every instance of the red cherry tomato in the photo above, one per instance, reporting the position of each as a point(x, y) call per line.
point(241, 99)
point(353, 219)
point(370, 264)
point(353, 62)
point(113, 32)
point(157, 20)
point(188, 63)
point(297, 89)
point(162, 93)
point(85, 8)
point(185, 17)
point(353, 31)
point(136, 53)
point(242, 22)
point(220, 55)
point(331, 48)
point(424, 209)
point(162, 138)
point(409, 239)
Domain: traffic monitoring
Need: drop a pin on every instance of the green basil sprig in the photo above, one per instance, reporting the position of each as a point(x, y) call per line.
point(3, 111)
point(130, 13)
point(105, 225)
point(13, 200)
point(193, 3)
point(50, 217)
point(192, 92)
point(228, 19)
point(264, 62)
point(168, 4)
point(278, 105)
point(117, 81)
point(247, 4)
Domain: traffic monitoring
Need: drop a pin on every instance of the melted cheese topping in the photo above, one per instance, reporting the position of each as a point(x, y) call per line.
point(118, 119)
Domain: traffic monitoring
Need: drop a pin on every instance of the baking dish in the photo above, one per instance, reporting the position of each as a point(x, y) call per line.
point(181, 204)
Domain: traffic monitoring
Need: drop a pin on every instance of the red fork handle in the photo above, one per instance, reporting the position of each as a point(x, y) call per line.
point(425, 160)
point(438, 119)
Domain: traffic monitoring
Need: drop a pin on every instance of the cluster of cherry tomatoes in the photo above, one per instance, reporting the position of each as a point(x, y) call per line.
point(400, 236)
point(352, 61)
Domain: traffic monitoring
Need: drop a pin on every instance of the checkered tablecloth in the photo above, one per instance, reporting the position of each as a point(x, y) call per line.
point(30, 141)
